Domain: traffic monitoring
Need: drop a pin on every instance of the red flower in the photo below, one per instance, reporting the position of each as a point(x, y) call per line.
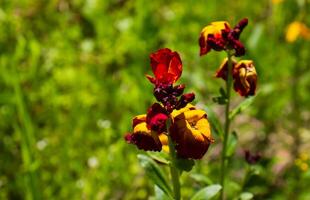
point(166, 66)
point(156, 118)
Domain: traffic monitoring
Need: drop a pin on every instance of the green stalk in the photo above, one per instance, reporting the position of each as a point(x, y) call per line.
point(175, 175)
point(28, 140)
point(227, 123)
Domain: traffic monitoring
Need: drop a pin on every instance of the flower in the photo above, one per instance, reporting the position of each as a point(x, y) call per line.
point(222, 71)
point(143, 137)
point(251, 158)
point(297, 29)
point(156, 118)
point(245, 78)
point(166, 66)
point(219, 36)
point(190, 130)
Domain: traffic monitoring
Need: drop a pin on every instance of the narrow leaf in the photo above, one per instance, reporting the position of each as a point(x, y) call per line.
point(241, 107)
point(232, 144)
point(159, 157)
point(207, 193)
point(160, 195)
point(155, 173)
point(201, 179)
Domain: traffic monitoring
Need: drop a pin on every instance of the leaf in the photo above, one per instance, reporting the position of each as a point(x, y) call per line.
point(232, 144)
point(246, 196)
point(215, 122)
point(159, 157)
point(207, 193)
point(241, 107)
point(185, 164)
point(155, 173)
point(223, 93)
point(201, 178)
point(160, 195)
point(220, 100)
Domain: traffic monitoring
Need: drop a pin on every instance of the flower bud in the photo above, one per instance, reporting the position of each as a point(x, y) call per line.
point(185, 99)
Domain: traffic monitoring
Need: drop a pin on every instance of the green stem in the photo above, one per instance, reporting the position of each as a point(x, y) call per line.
point(227, 123)
point(175, 176)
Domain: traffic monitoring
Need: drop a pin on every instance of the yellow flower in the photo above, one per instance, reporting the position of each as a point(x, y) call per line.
point(214, 29)
point(190, 130)
point(297, 29)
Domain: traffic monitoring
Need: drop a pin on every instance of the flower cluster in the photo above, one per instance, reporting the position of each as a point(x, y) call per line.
point(188, 128)
point(219, 36)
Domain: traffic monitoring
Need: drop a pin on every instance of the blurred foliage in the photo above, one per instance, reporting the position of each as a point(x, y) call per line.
point(72, 78)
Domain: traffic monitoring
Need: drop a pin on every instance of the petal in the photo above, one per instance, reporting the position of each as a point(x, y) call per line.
point(138, 119)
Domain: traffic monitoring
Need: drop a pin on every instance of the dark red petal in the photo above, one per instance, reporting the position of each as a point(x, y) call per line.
point(204, 48)
point(145, 142)
point(128, 138)
point(166, 66)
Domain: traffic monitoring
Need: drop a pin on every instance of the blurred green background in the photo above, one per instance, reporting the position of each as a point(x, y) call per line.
point(72, 78)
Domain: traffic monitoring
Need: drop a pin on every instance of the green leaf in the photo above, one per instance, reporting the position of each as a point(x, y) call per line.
point(160, 195)
point(246, 196)
point(232, 144)
point(155, 173)
point(223, 93)
point(220, 100)
point(207, 193)
point(184, 164)
point(215, 122)
point(241, 107)
point(201, 178)
point(160, 157)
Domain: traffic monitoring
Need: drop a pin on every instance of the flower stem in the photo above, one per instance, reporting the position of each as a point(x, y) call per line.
point(227, 123)
point(175, 176)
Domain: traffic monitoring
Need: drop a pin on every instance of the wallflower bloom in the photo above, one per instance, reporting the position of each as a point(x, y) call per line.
point(297, 29)
point(219, 36)
point(166, 66)
point(244, 76)
point(156, 118)
point(222, 71)
point(190, 130)
point(143, 137)
point(213, 30)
